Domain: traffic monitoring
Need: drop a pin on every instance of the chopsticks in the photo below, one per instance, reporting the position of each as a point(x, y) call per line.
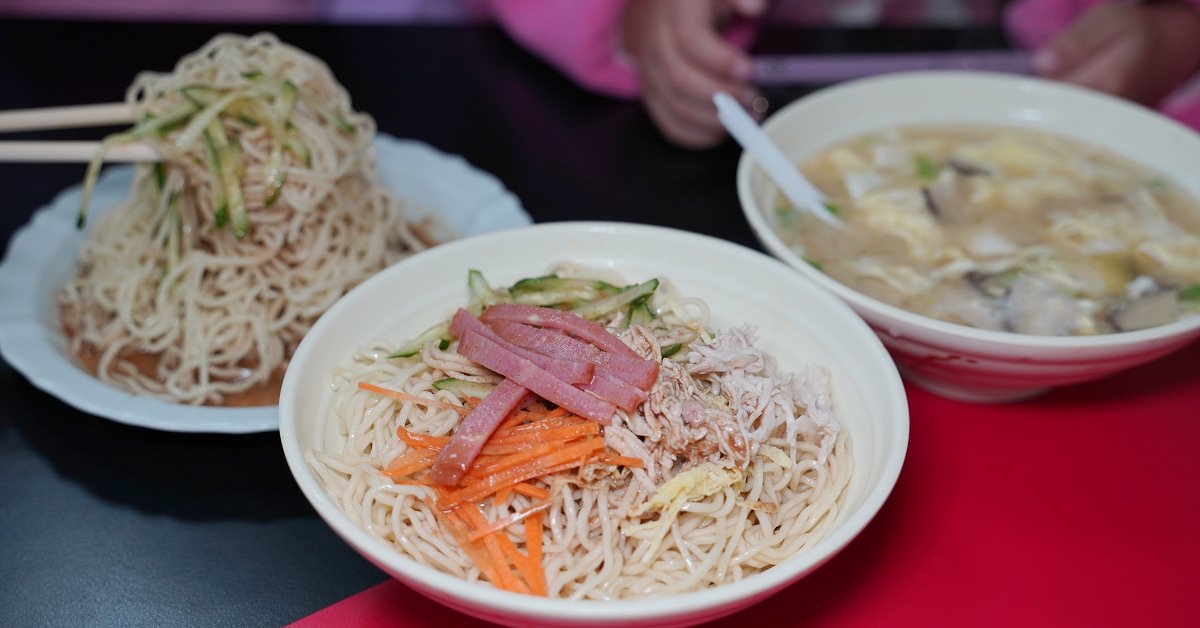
point(819, 69)
point(68, 118)
point(65, 117)
point(43, 152)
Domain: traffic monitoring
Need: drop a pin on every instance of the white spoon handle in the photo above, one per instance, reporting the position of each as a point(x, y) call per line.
point(782, 171)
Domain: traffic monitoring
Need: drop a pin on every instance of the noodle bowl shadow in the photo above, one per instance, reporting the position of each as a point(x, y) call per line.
point(952, 360)
point(797, 322)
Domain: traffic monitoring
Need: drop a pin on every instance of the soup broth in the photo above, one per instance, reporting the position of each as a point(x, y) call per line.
point(1003, 229)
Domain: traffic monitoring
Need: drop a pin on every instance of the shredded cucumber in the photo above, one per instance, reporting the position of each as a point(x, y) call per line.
point(552, 290)
point(607, 305)
point(464, 388)
point(640, 312)
point(439, 333)
point(482, 293)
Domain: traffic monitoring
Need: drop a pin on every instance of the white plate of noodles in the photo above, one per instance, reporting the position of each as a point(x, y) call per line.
point(446, 196)
point(746, 350)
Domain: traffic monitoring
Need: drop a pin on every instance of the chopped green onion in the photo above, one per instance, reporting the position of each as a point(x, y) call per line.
point(671, 349)
point(784, 216)
point(1156, 183)
point(1190, 293)
point(925, 168)
point(833, 209)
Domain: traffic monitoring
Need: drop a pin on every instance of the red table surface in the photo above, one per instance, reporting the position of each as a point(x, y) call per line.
point(1080, 507)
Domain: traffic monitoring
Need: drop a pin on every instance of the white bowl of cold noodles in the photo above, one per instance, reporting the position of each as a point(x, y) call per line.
point(1003, 235)
point(724, 429)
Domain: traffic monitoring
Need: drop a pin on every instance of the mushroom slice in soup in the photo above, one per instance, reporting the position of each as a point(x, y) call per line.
point(1151, 310)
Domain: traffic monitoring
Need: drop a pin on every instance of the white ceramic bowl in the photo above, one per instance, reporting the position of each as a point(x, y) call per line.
point(954, 360)
point(797, 321)
point(442, 192)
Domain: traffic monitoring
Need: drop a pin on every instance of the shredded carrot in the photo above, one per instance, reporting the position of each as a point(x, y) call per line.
point(495, 546)
point(500, 463)
point(503, 552)
point(526, 450)
point(495, 550)
point(529, 490)
point(564, 458)
point(533, 414)
point(531, 572)
point(409, 462)
point(453, 522)
point(396, 394)
point(568, 432)
point(502, 523)
point(422, 441)
point(620, 461)
point(533, 536)
point(533, 552)
point(539, 425)
point(501, 497)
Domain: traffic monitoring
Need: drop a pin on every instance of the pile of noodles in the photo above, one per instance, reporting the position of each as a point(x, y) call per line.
point(175, 298)
point(598, 544)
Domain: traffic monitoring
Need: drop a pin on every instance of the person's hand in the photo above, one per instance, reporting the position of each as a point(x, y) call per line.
point(1138, 51)
point(682, 60)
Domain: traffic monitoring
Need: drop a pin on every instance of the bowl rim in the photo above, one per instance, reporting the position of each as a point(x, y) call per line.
point(483, 597)
point(879, 313)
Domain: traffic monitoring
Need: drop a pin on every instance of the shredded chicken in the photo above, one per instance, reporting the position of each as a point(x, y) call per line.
point(720, 406)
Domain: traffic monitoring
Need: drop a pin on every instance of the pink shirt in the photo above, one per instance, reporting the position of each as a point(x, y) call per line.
point(582, 39)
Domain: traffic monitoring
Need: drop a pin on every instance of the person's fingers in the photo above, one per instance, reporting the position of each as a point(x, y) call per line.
point(683, 61)
point(685, 84)
point(747, 8)
point(1111, 70)
point(683, 130)
point(1079, 41)
point(691, 111)
point(705, 50)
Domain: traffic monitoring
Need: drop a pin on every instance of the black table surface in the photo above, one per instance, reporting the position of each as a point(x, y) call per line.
point(106, 524)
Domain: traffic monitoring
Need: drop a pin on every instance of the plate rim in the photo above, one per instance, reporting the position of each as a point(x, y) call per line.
point(29, 347)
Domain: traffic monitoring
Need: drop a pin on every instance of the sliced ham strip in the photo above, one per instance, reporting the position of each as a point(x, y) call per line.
point(573, 324)
point(545, 341)
point(641, 373)
point(524, 372)
point(571, 371)
point(637, 371)
point(624, 395)
point(474, 430)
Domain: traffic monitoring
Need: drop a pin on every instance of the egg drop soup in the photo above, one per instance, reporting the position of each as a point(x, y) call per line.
point(1003, 229)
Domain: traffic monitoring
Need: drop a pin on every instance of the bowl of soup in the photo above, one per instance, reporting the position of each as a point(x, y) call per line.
point(1003, 235)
